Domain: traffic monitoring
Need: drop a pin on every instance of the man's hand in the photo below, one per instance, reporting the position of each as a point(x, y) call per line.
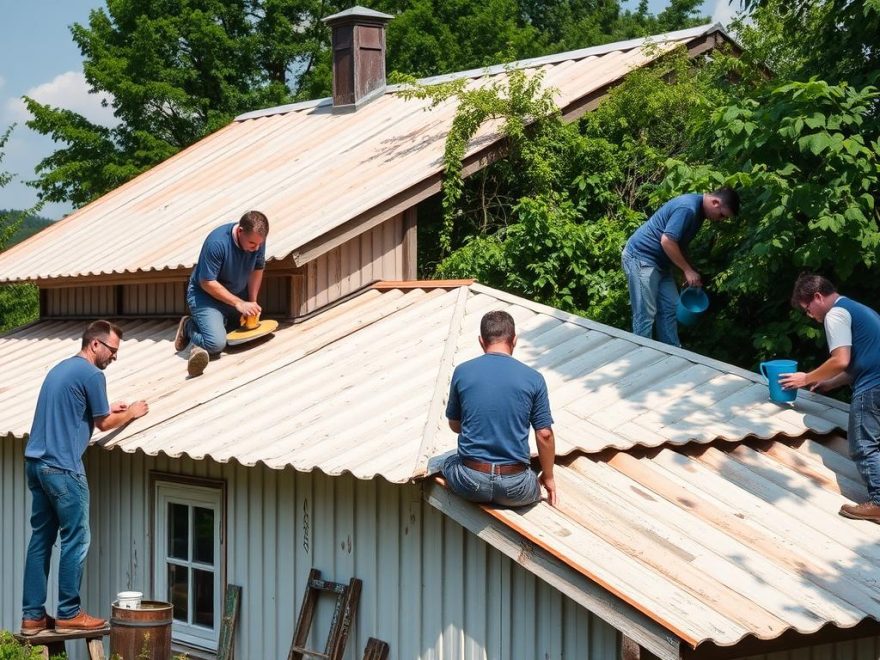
point(118, 406)
point(248, 308)
point(138, 409)
point(692, 278)
point(550, 485)
point(793, 381)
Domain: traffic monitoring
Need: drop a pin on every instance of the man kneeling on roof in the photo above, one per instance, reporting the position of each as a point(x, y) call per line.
point(493, 399)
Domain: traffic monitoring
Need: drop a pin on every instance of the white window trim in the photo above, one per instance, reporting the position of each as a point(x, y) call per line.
point(210, 498)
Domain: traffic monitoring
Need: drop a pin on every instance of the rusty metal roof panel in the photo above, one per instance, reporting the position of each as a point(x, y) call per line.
point(718, 543)
point(362, 387)
point(309, 169)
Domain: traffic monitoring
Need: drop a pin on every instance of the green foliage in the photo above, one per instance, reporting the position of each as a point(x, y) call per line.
point(12, 650)
point(807, 153)
point(836, 40)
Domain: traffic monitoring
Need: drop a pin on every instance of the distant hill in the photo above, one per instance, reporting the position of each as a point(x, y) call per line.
point(30, 226)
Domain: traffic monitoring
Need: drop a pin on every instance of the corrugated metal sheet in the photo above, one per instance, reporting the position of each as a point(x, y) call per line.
point(361, 388)
point(430, 589)
point(308, 169)
point(721, 542)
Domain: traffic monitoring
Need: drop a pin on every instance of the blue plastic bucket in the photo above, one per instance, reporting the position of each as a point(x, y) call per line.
point(772, 370)
point(692, 302)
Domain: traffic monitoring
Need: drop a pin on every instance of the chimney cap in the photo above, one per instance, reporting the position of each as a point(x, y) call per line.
point(352, 14)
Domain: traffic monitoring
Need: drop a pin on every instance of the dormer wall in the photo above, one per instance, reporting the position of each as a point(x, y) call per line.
point(385, 252)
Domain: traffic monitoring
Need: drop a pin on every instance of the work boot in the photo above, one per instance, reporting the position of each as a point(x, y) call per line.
point(181, 339)
point(864, 511)
point(82, 622)
point(198, 360)
point(35, 626)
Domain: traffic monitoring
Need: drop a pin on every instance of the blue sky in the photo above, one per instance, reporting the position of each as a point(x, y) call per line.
point(39, 59)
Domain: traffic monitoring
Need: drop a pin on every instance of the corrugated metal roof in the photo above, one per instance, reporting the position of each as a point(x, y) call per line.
point(361, 387)
point(309, 169)
point(717, 543)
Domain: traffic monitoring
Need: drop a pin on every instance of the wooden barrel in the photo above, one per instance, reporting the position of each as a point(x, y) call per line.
point(141, 634)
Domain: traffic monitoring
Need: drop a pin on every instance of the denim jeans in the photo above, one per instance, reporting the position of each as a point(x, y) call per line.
point(507, 490)
point(864, 439)
point(60, 503)
point(209, 320)
point(653, 297)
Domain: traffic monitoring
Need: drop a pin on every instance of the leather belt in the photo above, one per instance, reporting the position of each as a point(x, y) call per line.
point(492, 468)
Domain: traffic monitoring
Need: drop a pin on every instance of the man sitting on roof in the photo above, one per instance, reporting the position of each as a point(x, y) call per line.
point(492, 401)
point(223, 287)
point(853, 334)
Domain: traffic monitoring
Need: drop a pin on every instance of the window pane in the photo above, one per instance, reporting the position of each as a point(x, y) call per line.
point(177, 591)
point(203, 584)
point(178, 532)
point(203, 535)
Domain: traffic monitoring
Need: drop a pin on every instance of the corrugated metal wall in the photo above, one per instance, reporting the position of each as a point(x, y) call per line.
point(430, 589)
point(86, 301)
point(377, 254)
point(861, 649)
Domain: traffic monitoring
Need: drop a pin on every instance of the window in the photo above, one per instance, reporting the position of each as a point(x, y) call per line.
point(188, 571)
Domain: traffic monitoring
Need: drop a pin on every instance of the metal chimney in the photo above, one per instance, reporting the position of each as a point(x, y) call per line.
point(358, 40)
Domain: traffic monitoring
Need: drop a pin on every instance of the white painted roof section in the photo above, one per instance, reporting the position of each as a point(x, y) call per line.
point(309, 169)
point(717, 543)
point(362, 387)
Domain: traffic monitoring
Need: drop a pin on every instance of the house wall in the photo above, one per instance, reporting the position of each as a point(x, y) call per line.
point(385, 252)
point(430, 588)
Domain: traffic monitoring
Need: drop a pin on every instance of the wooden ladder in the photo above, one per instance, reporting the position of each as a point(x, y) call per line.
point(347, 597)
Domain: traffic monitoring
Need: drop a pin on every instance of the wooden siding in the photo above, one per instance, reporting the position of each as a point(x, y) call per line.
point(153, 299)
point(377, 254)
point(79, 301)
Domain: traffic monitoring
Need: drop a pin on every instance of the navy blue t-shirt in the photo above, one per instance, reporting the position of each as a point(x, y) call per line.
point(73, 394)
point(223, 261)
point(497, 398)
point(679, 218)
point(864, 361)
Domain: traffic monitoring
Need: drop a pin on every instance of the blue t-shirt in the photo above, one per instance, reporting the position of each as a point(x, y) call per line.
point(496, 398)
point(223, 261)
point(73, 394)
point(679, 218)
point(864, 361)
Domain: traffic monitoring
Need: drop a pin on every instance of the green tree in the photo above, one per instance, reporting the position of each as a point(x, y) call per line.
point(19, 303)
point(812, 173)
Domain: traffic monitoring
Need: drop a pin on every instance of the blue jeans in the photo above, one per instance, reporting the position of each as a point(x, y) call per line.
point(507, 490)
point(60, 502)
point(864, 439)
point(653, 297)
point(209, 320)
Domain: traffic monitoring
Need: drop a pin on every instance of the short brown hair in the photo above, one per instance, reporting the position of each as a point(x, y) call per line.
point(99, 330)
point(497, 326)
point(807, 286)
point(255, 222)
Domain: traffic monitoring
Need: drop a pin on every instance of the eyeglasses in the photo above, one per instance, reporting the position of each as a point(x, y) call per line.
point(113, 349)
point(806, 308)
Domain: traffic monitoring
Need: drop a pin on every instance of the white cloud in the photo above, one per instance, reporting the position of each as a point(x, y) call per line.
point(67, 90)
point(724, 11)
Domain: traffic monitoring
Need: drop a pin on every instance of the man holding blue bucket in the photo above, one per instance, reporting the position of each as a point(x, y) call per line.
point(661, 242)
point(853, 333)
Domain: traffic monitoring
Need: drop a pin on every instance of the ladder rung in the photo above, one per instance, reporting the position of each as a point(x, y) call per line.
point(305, 651)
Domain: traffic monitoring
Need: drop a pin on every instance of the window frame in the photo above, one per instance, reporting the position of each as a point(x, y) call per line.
point(191, 492)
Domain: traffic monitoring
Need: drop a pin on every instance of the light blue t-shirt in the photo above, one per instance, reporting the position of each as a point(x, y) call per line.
point(680, 218)
point(223, 261)
point(497, 398)
point(864, 362)
point(72, 395)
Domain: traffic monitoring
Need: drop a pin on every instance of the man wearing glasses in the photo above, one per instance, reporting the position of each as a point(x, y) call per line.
point(223, 287)
point(853, 334)
point(72, 401)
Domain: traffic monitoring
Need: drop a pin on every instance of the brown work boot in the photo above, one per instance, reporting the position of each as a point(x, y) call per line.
point(198, 360)
point(35, 626)
point(181, 339)
point(82, 622)
point(863, 511)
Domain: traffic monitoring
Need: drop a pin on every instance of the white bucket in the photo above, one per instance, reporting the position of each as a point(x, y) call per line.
point(130, 600)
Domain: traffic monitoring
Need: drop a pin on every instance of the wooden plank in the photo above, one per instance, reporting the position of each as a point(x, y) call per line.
point(576, 586)
point(410, 244)
point(229, 622)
